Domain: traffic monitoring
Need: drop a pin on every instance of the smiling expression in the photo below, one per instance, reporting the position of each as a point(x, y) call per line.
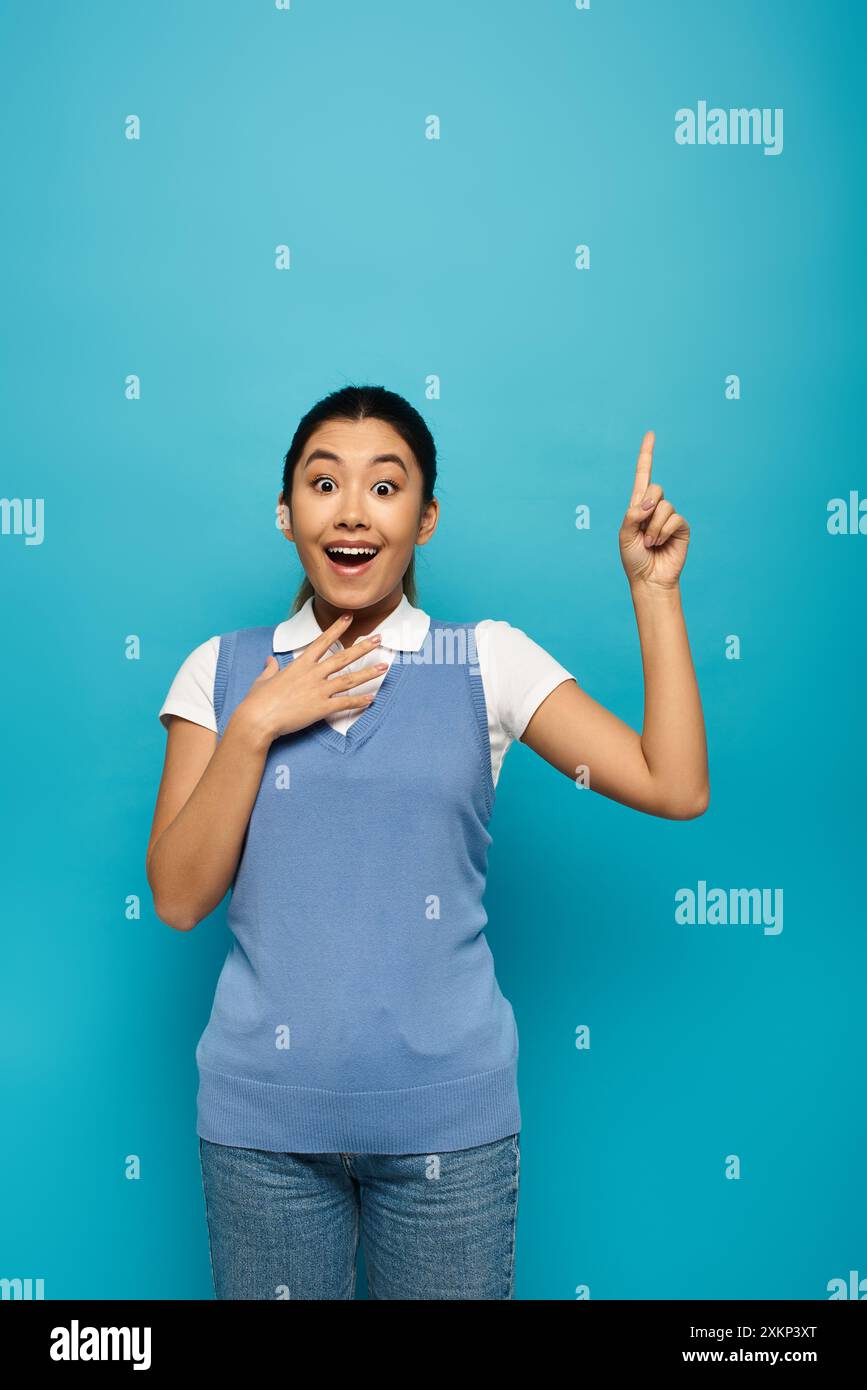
point(357, 511)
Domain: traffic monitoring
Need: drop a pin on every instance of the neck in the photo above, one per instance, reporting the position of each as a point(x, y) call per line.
point(365, 621)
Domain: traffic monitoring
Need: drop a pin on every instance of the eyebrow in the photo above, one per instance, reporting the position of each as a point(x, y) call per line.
point(371, 463)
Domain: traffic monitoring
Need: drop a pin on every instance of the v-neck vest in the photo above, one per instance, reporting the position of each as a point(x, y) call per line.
point(358, 1008)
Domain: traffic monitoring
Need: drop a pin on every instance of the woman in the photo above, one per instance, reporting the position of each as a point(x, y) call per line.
point(337, 771)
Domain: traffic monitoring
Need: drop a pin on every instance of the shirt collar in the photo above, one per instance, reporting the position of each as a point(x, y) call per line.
point(404, 630)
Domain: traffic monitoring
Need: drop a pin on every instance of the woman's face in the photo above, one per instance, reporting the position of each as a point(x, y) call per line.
point(357, 485)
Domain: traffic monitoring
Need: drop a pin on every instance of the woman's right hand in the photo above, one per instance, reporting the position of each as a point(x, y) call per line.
point(306, 690)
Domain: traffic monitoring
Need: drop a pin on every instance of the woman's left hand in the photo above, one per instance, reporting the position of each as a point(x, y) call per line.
point(653, 536)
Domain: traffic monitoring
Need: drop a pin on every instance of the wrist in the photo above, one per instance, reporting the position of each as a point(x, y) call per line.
point(247, 727)
point(647, 591)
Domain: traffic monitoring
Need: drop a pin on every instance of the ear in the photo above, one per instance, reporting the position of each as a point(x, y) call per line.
point(284, 523)
point(428, 521)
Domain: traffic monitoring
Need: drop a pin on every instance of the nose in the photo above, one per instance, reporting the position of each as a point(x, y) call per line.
point(352, 512)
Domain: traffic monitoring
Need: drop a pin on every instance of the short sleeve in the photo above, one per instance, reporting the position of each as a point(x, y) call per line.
point(191, 693)
point(520, 674)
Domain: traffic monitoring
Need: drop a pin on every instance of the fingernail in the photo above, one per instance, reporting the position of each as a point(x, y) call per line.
point(646, 501)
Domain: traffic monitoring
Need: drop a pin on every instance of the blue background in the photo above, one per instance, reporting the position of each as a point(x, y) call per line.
point(455, 257)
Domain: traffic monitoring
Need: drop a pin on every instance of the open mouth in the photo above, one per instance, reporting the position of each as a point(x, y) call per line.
point(351, 559)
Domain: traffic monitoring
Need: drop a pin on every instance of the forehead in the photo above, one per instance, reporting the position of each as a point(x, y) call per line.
point(358, 439)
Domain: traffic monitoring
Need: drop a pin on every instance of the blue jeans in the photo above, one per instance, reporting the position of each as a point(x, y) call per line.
point(434, 1226)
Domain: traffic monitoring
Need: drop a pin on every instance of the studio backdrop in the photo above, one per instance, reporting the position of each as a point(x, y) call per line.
point(551, 226)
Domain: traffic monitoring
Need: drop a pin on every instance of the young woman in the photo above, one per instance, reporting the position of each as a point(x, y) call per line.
point(337, 771)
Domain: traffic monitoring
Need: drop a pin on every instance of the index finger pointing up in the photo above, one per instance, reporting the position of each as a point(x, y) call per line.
point(642, 468)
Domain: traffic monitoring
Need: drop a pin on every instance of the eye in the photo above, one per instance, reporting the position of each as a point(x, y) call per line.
point(383, 482)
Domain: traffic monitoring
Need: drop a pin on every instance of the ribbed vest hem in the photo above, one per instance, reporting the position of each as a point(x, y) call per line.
point(447, 1115)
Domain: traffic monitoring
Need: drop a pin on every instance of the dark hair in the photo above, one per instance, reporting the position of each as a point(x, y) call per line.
point(362, 403)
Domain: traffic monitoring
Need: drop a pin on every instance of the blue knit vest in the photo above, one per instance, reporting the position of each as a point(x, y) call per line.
point(358, 1009)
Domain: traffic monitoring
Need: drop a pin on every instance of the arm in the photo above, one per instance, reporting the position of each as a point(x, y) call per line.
point(208, 788)
point(663, 771)
point(203, 807)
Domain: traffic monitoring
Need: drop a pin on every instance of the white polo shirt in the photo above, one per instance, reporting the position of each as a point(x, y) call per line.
point(517, 674)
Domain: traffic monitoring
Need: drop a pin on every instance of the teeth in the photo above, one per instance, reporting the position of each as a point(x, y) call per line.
point(350, 550)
